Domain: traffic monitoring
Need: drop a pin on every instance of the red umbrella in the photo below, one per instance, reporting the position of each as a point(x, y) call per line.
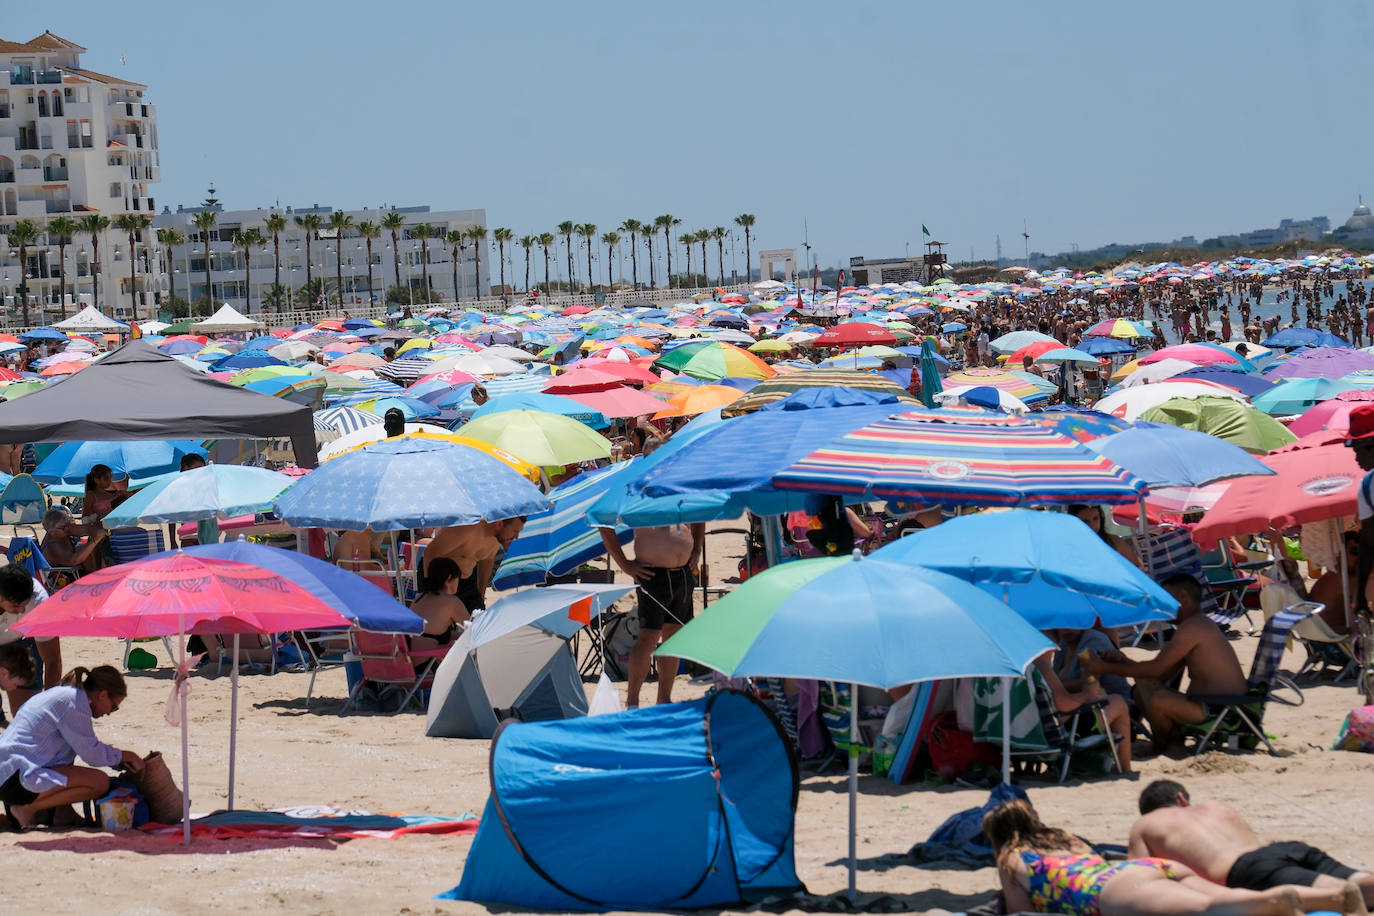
point(628, 372)
point(1310, 485)
point(176, 593)
point(1198, 354)
point(1034, 351)
point(580, 379)
point(855, 334)
point(449, 377)
point(575, 310)
point(618, 401)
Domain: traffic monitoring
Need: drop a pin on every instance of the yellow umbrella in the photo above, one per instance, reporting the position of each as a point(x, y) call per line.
point(771, 346)
point(699, 399)
point(415, 343)
point(1125, 370)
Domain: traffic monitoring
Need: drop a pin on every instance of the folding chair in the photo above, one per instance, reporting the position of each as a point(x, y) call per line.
point(1041, 735)
point(133, 543)
point(387, 658)
point(374, 571)
point(1241, 716)
point(1324, 646)
point(1230, 584)
point(327, 648)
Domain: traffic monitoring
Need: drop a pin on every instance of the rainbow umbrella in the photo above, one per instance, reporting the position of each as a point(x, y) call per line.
point(1120, 328)
point(713, 359)
point(1012, 384)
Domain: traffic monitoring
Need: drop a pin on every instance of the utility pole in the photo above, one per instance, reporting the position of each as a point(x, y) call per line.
point(1025, 237)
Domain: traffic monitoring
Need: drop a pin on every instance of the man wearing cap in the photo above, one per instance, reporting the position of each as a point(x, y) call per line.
point(1361, 440)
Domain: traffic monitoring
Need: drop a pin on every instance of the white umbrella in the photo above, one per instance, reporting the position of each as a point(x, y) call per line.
point(1130, 403)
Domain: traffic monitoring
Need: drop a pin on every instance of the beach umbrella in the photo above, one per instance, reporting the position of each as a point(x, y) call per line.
point(411, 408)
point(1332, 416)
point(1224, 418)
point(617, 401)
point(344, 420)
point(1295, 395)
point(779, 387)
point(1013, 383)
point(1105, 346)
point(561, 539)
point(858, 620)
point(1241, 382)
point(357, 440)
point(175, 594)
point(1119, 328)
point(1079, 425)
point(1197, 354)
point(854, 334)
point(1292, 338)
point(70, 462)
point(1063, 355)
point(697, 400)
point(983, 396)
point(1010, 343)
point(931, 384)
point(712, 359)
point(1308, 485)
point(1033, 350)
point(548, 403)
point(584, 378)
point(409, 482)
point(1322, 362)
point(405, 370)
point(479, 363)
point(1130, 403)
point(214, 491)
point(771, 345)
point(1049, 567)
point(1170, 456)
point(541, 438)
point(41, 334)
point(1012, 463)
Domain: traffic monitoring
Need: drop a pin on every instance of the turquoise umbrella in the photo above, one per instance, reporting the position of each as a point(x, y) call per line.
point(213, 491)
point(930, 374)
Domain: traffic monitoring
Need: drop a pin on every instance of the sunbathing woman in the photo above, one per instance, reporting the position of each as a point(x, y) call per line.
point(38, 750)
point(1047, 870)
point(438, 603)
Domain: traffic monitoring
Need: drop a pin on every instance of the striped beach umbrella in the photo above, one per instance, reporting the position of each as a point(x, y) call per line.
point(780, 386)
point(1012, 464)
point(713, 359)
point(344, 420)
point(1120, 328)
point(561, 539)
point(1012, 383)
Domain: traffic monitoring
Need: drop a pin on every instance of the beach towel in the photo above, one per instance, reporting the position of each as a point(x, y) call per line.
point(959, 842)
point(1026, 731)
point(316, 821)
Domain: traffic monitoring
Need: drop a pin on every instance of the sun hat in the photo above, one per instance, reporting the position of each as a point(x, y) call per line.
point(1361, 423)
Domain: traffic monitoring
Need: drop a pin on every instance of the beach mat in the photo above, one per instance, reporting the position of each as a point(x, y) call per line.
point(316, 821)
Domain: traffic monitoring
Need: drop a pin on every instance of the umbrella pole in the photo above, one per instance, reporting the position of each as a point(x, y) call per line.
point(853, 787)
point(1006, 730)
point(1345, 585)
point(185, 762)
point(233, 717)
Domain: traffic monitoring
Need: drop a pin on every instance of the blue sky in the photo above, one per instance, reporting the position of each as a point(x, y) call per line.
point(1092, 122)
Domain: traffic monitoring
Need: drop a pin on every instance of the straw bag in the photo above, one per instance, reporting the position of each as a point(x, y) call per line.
point(158, 790)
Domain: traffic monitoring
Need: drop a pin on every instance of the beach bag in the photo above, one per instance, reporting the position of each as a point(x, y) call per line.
point(953, 752)
point(620, 634)
point(158, 789)
point(1357, 731)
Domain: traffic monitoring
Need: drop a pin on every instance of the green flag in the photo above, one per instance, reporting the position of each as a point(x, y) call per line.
point(924, 230)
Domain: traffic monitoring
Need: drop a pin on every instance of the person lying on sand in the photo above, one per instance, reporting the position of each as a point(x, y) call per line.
point(1213, 840)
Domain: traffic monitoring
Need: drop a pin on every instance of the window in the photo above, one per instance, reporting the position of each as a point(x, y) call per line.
point(116, 189)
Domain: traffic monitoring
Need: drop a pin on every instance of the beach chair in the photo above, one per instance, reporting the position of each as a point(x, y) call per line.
point(1240, 717)
point(374, 571)
point(388, 660)
point(1324, 646)
point(133, 543)
point(1167, 550)
point(1231, 584)
point(327, 649)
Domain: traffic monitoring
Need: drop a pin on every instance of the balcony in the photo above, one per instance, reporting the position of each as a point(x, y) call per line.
point(59, 206)
point(54, 173)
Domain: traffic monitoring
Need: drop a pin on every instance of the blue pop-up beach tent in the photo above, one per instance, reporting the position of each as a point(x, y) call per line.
point(564, 828)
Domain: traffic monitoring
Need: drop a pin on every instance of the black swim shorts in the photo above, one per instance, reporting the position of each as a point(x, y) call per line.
point(14, 793)
point(666, 598)
point(1283, 863)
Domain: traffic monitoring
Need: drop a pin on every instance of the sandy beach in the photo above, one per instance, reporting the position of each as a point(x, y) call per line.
point(289, 755)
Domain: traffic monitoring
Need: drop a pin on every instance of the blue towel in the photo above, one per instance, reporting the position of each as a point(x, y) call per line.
point(959, 841)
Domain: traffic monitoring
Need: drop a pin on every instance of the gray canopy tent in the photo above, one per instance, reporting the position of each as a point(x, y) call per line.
point(138, 392)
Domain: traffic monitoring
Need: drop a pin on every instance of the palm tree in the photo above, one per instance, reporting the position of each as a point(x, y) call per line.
point(424, 232)
point(170, 237)
point(248, 239)
point(311, 223)
point(634, 227)
point(60, 230)
point(455, 238)
point(686, 240)
point(719, 234)
point(131, 223)
point(610, 240)
point(649, 244)
point(94, 225)
point(587, 232)
point(527, 242)
point(501, 236)
point(340, 222)
point(205, 221)
point(478, 236)
point(545, 242)
point(747, 221)
point(369, 231)
point(275, 225)
point(566, 229)
point(393, 222)
point(666, 222)
point(23, 234)
point(704, 236)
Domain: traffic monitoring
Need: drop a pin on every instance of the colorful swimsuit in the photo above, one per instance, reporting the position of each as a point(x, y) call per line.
point(1072, 884)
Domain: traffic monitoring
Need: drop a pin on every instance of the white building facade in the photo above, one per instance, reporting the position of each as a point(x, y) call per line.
point(245, 280)
point(73, 143)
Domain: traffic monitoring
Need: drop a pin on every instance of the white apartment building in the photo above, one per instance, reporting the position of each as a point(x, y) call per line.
point(73, 142)
point(230, 276)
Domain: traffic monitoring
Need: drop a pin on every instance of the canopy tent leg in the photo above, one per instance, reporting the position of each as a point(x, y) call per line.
point(233, 717)
point(1345, 586)
point(772, 542)
point(185, 760)
point(853, 788)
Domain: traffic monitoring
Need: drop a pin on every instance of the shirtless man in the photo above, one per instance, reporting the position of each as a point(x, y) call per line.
point(1198, 648)
point(475, 549)
point(663, 564)
point(1213, 840)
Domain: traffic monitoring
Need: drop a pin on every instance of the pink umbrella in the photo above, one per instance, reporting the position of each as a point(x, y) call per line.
point(618, 401)
point(1197, 354)
point(449, 377)
point(459, 339)
point(175, 593)
point(1332, 415)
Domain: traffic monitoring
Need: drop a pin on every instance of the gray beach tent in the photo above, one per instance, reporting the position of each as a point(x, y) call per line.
point(138, 392)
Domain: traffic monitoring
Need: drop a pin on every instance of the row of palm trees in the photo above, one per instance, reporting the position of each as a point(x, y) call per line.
point(62, 231)
point(637, 231)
